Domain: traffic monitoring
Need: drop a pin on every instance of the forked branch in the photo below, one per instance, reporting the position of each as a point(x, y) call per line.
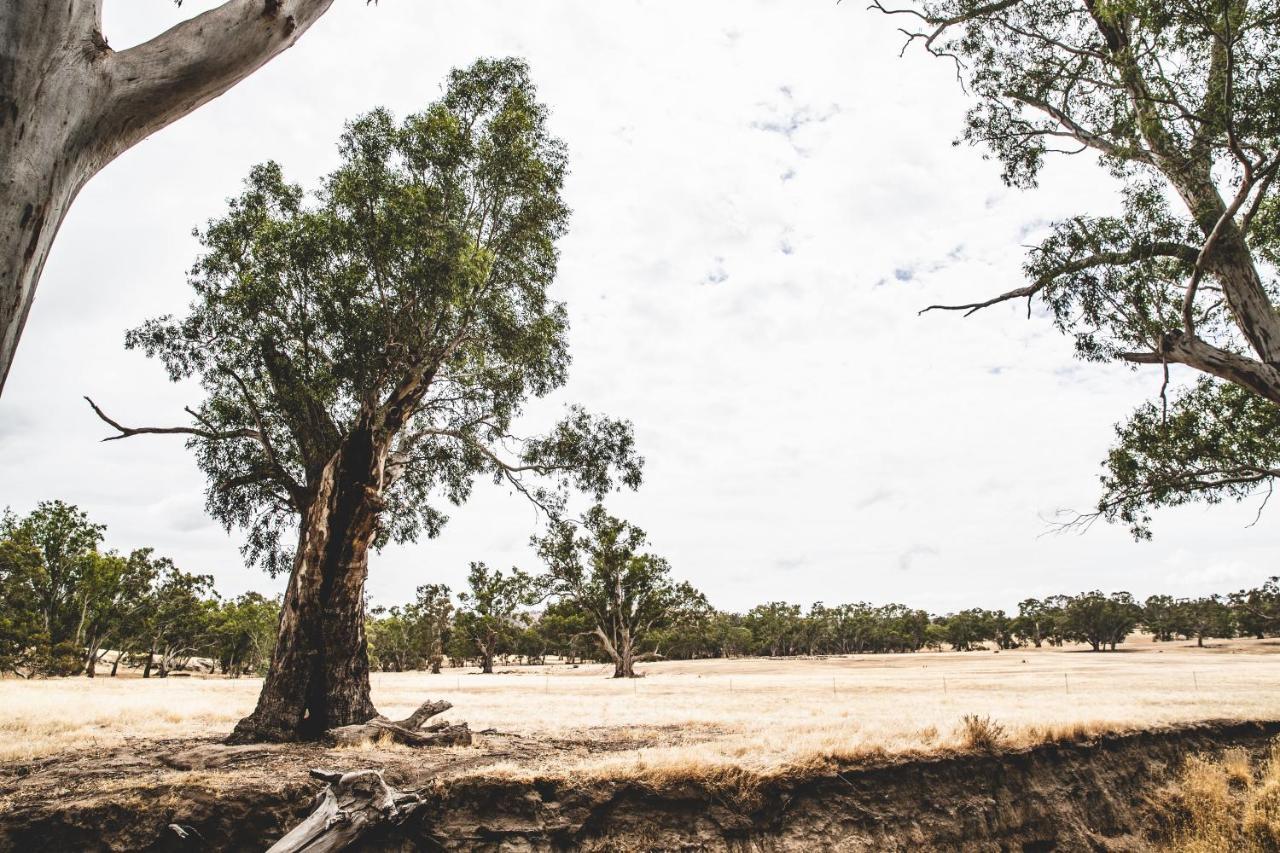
point(212, 435)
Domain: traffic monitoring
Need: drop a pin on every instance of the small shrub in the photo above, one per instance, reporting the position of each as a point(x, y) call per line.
point(981, 732)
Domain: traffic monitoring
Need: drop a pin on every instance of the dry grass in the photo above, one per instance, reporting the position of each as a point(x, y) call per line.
point(1225, 803)
point(718, 719)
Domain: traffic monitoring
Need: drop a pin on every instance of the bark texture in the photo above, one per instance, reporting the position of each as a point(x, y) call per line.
point(319, 674)
point(69, 105)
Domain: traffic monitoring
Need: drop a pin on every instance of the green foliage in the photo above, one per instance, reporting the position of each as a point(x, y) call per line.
point(22, 631)
point(1181, 104)
point(1216, 442)
point(404, 304)
point(1101, 620)
point(492, 609)
point(969, 629)
point(1258, 610)
point(627, 592)
point(243, 633)
point(414, 636)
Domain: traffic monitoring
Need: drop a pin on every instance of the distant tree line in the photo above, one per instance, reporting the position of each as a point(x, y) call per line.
point(68, 607)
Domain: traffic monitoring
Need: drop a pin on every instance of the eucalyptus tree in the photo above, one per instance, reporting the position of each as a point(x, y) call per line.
point(113, 596)
point(69, 105)
point(364, 352)
point(1179, 100)
point(1100, 620)
point(600, 567)
point(494, 610)
point(432, 610)
point(61, 562)
point(1258, 609)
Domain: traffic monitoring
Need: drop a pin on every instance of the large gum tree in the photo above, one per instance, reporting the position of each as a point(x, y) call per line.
point(1179, 100)
point(70, 104)
point(364, 353)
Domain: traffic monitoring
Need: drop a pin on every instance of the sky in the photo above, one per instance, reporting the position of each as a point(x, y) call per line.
point(764, 196)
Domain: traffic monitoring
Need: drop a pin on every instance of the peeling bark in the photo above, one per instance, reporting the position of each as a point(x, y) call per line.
point(319, 674)
point(69, 105)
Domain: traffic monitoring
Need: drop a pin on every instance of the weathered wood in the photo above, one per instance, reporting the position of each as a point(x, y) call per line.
point(409, 731)
point(425, 711)
point(353, 805)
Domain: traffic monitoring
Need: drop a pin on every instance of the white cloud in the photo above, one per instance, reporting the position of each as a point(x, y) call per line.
point(771, 405)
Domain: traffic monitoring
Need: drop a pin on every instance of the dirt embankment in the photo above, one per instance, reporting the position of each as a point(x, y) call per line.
point(1103, 795)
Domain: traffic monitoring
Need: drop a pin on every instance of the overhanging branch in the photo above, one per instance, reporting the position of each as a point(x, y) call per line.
point(128, 432)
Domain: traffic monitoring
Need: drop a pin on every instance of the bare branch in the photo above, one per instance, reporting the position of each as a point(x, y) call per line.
point(1156, 249)
point(127, 432)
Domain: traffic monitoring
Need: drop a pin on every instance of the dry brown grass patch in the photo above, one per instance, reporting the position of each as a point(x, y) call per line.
point(1225, 803)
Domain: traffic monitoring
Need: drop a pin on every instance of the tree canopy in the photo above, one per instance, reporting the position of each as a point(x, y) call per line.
point(1180, 102)
point(406, 299)
point(628, 593)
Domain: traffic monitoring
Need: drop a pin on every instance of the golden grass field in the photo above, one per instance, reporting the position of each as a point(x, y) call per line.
point(761, 716)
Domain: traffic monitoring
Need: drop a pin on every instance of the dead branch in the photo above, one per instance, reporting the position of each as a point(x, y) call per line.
point(212, 435)
point(352, 805)
point(409, 731)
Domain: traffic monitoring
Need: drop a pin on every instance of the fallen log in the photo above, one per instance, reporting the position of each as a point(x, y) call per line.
point(350, 808)
point(409, 731)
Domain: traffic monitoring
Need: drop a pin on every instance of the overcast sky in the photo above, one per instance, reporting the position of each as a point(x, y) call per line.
point(764, 195)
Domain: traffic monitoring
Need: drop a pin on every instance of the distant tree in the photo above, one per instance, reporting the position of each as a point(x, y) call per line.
point(935, 635)
point(432, 611)
point(392, 646)
point(1257, 610)
point(1033, 622)
point(1180, 103)
point(493, 610)
point(244, 631)
point(177, 618)
point(969, 629)
point(112, 594)
point(774, 626)
point(23, 638)
point(627, 592)
point(1101, 621)
point(690, 630)
point(55, 557)
point(364, 355)
point(1159, 618)
point(70, 105)
point(565, 630)
point(1204, 617)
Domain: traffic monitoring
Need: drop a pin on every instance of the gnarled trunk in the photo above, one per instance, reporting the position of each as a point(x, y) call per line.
point(319, 675)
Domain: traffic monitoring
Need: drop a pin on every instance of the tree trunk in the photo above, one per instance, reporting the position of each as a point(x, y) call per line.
point(624, 661)
point(486, 663)
point(69, 105)
point(115, 664)
point(319, 674)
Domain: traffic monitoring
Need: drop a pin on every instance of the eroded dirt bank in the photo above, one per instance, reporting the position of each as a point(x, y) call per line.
point(1103, 795)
